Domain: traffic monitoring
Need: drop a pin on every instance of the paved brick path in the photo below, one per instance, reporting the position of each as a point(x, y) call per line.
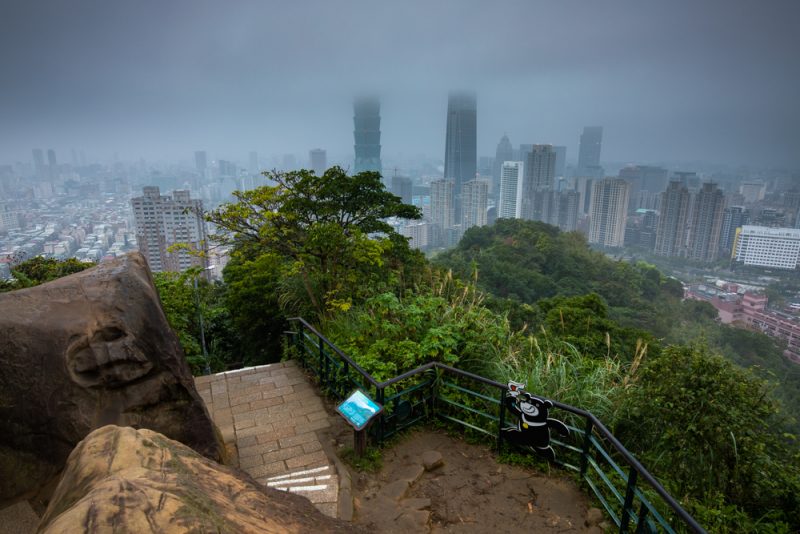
point(271, 415)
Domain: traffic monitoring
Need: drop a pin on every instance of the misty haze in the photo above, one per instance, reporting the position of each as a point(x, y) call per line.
point(554, 247)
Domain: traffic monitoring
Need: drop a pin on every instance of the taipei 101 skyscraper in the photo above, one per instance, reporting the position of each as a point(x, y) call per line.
point(367, 134)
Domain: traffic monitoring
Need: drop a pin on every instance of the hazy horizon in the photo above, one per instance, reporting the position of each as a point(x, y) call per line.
point(682, 81)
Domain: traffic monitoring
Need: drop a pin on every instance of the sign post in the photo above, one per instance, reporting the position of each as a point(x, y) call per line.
point(359, 411)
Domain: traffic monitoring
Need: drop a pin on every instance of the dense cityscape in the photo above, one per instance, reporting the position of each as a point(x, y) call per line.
point(724, 218)
point(355, 266)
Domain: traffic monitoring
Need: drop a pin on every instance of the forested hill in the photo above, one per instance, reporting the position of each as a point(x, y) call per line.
point(536, 273)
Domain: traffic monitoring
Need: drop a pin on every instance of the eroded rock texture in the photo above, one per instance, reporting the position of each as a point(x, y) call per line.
point(82, 352)
point(123, 480)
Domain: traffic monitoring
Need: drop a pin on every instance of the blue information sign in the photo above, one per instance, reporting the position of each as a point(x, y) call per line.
point(358, 409)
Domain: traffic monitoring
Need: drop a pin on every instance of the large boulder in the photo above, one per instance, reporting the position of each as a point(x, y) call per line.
point(82, 352)
point(124, 480)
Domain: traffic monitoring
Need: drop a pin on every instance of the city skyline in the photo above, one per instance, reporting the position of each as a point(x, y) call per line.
point(82, 76)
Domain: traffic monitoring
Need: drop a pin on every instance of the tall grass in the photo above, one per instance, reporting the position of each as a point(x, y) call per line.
point(557, 370)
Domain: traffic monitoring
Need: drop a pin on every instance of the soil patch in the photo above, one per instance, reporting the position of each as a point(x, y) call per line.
point(433, 482)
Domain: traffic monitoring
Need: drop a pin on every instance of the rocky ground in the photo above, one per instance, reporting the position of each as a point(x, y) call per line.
point(432, 482)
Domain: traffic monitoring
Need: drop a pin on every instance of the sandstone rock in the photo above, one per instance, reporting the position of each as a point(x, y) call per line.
point(414, 521)
point(81, 352)
point(593, 516)
point(412, 473)
point(431, 460)
point(395, 490)
point(138, 481)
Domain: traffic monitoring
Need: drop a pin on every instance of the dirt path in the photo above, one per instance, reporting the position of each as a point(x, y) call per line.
point(467, 492)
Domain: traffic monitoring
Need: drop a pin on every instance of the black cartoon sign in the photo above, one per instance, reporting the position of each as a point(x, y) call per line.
point(533, 425)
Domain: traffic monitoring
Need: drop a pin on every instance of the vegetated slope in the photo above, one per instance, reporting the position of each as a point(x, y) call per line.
point(534, 271)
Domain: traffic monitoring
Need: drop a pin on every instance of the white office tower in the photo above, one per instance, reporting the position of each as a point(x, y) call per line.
point(607, 213)
point(474, 197)
point(768, 247)
point(442, 210)
point(511, 182)
point(162, 221)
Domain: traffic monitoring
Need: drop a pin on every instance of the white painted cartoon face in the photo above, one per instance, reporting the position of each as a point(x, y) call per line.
point(529, 408)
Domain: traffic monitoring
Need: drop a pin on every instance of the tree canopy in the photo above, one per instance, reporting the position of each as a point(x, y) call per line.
point(329, 229)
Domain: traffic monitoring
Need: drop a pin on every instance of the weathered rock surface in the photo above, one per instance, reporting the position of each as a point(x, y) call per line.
point(124, 480)
point(85, 351)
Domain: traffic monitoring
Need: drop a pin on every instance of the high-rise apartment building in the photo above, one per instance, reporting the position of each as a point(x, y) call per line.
point(589, 151)
point(201, 162)
point(475, 200)
point(442, 209)
point(511, 182)
point(38, 163)
point(539, 179)
point(318, 160)
point(646, 183)
point(568, 208)
point(162, 221)
point(673, 220)
point(768, 247)
point(504, 152)
point(561, 160)
point(367, 134)
point(608, 212)
point(461, 143)
point(403, 188)
point(52, 164)
point(705, 223)
point(733, 218)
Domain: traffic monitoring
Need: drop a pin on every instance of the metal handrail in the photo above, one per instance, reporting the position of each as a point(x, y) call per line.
point(592, 421)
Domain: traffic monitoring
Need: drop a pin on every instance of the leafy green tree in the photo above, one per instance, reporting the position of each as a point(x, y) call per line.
point(39, 270)
point(712, 432)
point(329, 229)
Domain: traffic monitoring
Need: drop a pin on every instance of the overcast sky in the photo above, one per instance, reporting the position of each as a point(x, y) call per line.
point(672, 80)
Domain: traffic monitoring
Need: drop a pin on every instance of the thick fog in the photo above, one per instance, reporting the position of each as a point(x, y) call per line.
point(680, 80)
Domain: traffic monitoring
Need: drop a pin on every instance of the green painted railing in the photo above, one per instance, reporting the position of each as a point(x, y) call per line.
point(631, 496)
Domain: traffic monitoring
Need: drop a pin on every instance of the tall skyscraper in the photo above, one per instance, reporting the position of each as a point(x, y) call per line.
point(734, 217)
point(673, 220)
point(403, 188)
point(561, 160)
point(201, 162)
point(367, 134)
point(705, 223)
point(475, 200)
point(511, 183)
point(461, 143)
point(589, 152)
point(162, 221)
point(540, 168)
point(568, 208)
point(608, 212)
point(52, 164)
point(318, 160)
point(38, 163)
point(504, 152)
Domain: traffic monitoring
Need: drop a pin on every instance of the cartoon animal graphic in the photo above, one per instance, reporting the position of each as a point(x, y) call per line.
point(533, 426)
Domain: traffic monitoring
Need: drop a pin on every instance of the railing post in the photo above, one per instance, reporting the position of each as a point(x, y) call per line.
point(323, 375)
point(380, 396)
point(626, 507)
point(301, 352)
point(587, 441)
point(641, 521)
point(502, 422)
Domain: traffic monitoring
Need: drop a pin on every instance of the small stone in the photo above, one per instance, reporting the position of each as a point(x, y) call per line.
point(431, 460)
point(593, 516)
